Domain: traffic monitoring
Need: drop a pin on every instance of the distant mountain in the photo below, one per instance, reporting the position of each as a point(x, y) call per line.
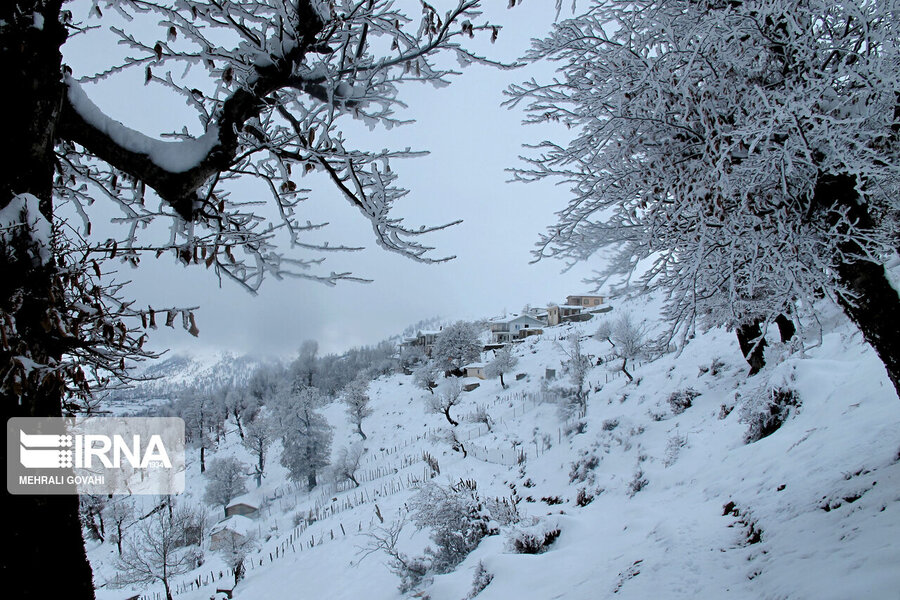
point(167, 377)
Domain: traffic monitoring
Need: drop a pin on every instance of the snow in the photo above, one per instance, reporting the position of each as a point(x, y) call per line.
point(822, 489)
point(239, 524)
point(175, 157)
point(24, 211)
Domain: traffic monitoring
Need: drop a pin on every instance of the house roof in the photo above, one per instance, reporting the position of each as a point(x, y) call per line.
point(236, 523)
point(474, 366)
point(248, 499)
point(514, 317)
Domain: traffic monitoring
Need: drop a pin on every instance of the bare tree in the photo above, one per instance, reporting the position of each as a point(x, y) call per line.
point(504, 361)
point(271, 83)
point(426, 376)
point(357, 401)
point(448, 396)
point(154, 553)
point(259, 436)
point(235, 552)
point(576, 365)
point(627, 338)
point(743, 156)
point(347, 463)
point(120, 513)
point(227, 480)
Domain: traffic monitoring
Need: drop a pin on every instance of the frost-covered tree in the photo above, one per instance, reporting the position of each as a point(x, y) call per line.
point(306, 365)
point(504, 361)
point(449, 395)
point(744, 156)
point(240, 405)
point(227, 479)
point(627, 338)
point(456, 346)
point(576, 365)
point(427, 375)
point(154, 553)
point(347, 463)
point(259, 436)
point(235, 552)
point(305, 435)
point(271, 83)
point(120, 515)
point(357, 400)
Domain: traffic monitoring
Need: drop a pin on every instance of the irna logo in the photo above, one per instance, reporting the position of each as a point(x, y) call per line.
point(42, 451)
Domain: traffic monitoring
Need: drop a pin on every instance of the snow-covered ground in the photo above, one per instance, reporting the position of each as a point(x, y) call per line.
point(682, 507)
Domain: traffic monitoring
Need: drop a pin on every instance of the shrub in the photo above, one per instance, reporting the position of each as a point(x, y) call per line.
point(637, 483)
point(582, 469)
point(682, 400)
point(583, 498)
point(765, 415)
point(458, 520)
point(525, 542)
point(610, 424)
point(481, 580)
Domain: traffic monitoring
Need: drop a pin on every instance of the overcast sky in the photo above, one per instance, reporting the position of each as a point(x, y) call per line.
point(472, 140)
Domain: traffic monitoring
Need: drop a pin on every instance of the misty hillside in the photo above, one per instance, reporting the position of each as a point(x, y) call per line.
point(658, 490)
point(173, 373)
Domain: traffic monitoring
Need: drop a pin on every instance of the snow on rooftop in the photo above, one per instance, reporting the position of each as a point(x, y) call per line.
point(237, 523)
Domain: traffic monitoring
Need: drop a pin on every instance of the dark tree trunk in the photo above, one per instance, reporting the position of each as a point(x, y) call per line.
point(625, 370)
point(449, 418)
point(45, 537)
point(753, 344)
point(875, 305)
point(502, 384)
point(202, 459)
point(360, 431)
point(311, 480)
point(786, 328)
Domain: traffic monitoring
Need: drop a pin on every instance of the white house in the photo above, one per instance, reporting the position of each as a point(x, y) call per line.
point(474, 370)
point(514, 327)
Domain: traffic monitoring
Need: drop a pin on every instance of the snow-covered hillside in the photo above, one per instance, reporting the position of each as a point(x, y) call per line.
point(165, 378)
point(654, 491)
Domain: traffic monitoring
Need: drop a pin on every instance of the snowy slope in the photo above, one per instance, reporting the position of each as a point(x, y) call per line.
point(682, 507)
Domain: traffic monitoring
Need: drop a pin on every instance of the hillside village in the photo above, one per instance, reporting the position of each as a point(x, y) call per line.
point(779, 485)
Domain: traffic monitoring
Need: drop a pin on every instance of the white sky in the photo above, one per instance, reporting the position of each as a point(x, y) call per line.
point(472, 141)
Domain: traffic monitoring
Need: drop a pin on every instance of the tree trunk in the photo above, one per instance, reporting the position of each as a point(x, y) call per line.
point(360, 431)
point(202, 459)
point(872, 304)
point(449, 418)
point(45, 536)
point(502, 384)
point(625, 370)
point(168, 591)
point(786, 328)
point(311, 480)
point(752, 343)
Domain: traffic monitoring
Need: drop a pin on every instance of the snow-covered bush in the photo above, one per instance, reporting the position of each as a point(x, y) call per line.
point(582, 470)
point(480, 580)
point(766, 412)
point(682, 400)
point(637, 483)
point(458, 520)
point(533, 541)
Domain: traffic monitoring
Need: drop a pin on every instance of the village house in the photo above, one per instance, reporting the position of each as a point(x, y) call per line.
point(474, 370)
point(245, 505)
point(560, 313)
point(585, 301)
point(422, 339)
point(231, 532)
point(514, 327)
